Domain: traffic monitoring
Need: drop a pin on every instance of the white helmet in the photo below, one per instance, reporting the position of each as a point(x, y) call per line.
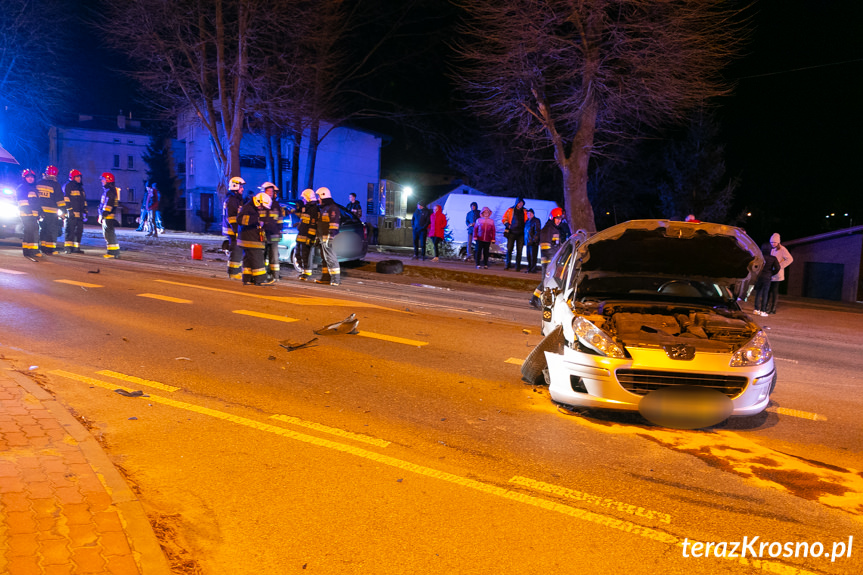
point(262, 200)
point(235, 183)
point(266, 185)
point(324, 193)
point(308, 195)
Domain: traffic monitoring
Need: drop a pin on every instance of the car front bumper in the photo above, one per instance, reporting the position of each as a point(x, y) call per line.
point(585, 380)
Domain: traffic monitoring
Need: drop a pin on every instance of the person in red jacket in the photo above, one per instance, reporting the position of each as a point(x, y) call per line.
point(436, 230)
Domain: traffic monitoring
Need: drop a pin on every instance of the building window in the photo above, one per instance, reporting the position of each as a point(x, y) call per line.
point(249, 161)
point(191, 166)
point(130, 141)
point(130, 162)
point(131, 194)
point(181, 167)
point(116, 140)
point(116, 160)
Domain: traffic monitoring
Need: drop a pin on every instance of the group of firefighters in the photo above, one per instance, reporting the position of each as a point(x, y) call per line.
point(44, 205)
point(253, 228)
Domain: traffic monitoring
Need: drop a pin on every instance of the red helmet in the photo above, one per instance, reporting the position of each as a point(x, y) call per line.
point(27, 173)
point(108, 177)
point(52, 171)
point(74, 174)
point(557, 213)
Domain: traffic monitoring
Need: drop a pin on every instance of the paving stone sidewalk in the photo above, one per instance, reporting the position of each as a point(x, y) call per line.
point(64, 508)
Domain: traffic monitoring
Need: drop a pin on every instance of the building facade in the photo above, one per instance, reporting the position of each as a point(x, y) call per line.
point(827, 266)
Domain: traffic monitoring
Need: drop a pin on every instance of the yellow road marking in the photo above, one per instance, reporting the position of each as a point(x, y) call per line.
point(13, 272)
point(74, 283)
point(308, 301)
point(595, 499)
point(797, 413)
point(514, 361)
point(392, 338)
point(164, 297)
point(265, 315)
point(331, 430)
point(138, 380)
point(486, 488)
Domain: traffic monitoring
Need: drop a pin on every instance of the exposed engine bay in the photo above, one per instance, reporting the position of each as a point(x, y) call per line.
point(652, 325)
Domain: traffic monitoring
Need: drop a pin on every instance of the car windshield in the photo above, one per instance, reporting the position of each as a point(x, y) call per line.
point(653, 288)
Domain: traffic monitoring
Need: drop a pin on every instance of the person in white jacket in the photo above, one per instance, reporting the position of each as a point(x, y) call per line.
point(784, 258)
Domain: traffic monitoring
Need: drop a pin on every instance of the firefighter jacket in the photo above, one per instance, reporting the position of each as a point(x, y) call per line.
point(230, 209)
point(273, 219)
point(28, 200)
point(307, 229)
point(50, 195)
point(250, 232)
point(549, 241)
point(110, 201)
point(76, 202)
point(330, 217)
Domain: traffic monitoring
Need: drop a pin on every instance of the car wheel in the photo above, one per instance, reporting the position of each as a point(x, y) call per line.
point(296, 262)
point(533, 367)
point(389, 267)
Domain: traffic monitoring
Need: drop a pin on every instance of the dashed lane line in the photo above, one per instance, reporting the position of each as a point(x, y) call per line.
point(82, 284)
point(514, 361)
point(164, 298)
point(599, 519)
point(12, 272)
point(797, 413)
point(138, 380)
point(330, 430)
point(304, 301)
point(392, 338)
point(265, 315)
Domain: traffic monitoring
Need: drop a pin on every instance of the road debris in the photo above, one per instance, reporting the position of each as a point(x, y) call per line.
point(292, 345)
point(136, 393)
point(346, 326)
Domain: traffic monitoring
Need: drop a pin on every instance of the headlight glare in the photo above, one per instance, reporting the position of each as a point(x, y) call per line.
point(756, 352)
point(596, 339)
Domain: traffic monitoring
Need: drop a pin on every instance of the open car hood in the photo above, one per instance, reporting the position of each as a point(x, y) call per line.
point(699, 251)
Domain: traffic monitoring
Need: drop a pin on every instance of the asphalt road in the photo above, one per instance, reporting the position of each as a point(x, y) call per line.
point(413, 446)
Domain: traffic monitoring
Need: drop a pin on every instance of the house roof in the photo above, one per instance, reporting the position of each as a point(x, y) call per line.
point(827, 236)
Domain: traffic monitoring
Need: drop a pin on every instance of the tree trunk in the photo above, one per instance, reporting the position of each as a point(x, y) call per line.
point(297, 136)
point(575, 169)
point(314, 131)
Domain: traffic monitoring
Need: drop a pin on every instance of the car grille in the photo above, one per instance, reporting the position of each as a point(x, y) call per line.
point(643, 381)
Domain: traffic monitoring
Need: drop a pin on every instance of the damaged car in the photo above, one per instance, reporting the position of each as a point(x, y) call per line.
point(644, 316)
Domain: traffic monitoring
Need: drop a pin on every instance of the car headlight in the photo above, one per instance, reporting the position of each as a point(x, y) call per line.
point(8, 210)
point(755, 352)
point(596, 339)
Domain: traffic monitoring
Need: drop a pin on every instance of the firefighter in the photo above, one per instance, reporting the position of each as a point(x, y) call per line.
point(51, 199)
point(328, 229)
point(230, 209)
point(549, 241)
point(108, 214)
point(251, 238)
point(29, 207)
point(307, 232)
point(274, 217)
point(76, 212)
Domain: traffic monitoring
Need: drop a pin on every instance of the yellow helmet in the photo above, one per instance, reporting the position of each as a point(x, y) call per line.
point(308, 195)
point(262, 200)
point(235, 183)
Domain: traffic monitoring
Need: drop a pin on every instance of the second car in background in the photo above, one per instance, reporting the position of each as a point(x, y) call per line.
point(351, 243)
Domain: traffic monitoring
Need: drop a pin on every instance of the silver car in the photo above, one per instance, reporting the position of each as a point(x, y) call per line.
point(351, 243)
point(10, 222)
point(643, 316)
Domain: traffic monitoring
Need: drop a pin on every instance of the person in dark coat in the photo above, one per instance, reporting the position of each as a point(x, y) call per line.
point(307, 231)
point(420, 225)
point(29, 208)
point(513, 223)
point(329, 220)
point(76, 212)
point(532, 229)
point(230, 210)
point(252, 239)
point(470, 220)
point(108, 214)
point(53, 203)
point(762, 283)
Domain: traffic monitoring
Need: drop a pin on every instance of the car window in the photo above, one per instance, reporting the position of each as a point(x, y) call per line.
point(561, 263)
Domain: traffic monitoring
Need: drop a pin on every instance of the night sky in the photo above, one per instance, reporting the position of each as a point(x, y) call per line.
point(792, 128)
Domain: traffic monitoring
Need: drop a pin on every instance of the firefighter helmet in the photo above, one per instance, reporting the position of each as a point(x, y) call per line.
point(262, 200)
point(308, 195)
point(108, 177)
point(324, 193)
point(28, 173)
point(557, 213)
point(74, 174)
point(266, 185)
point(52, 171)
point(235, 183)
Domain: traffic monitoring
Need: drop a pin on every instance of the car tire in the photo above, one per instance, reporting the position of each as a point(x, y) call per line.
point(389, 267)
point(533, 367)
point(295, 261)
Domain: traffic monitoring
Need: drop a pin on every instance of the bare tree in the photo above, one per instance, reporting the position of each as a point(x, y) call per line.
point(579, 74)
point(199, 55)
